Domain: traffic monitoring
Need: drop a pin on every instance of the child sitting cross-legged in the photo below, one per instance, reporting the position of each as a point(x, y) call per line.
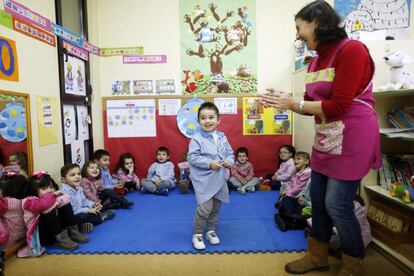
point(94, 190)
point(296, 196)
point(86, 211)
point(242, 173)
point(160, 178)
point(125, 171)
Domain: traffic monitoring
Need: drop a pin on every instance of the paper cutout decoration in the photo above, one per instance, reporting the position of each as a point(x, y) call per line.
point(13, 122)
point(187, 121)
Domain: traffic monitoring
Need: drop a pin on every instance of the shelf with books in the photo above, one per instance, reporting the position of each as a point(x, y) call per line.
point(379, 191)
point(394, 93)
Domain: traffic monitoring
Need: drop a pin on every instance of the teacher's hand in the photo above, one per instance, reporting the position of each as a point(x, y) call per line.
point(277, 99)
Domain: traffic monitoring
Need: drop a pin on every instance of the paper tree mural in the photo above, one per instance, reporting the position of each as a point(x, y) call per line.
point(219, 51)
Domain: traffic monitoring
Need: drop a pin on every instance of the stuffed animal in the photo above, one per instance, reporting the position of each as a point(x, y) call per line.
point(397, 189)
point(399, 78)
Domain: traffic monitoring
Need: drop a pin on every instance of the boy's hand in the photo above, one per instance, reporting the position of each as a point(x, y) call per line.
point(282, 194)
point(58, 193)
point(138, 185)
point(274, 177)
point(157, 181)
point(47, 211)
point(214, 165)
point(120, 184)
point(94, 210)
point(225, 163)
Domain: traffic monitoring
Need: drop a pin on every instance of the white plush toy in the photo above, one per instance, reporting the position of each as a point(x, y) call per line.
point(399, 78)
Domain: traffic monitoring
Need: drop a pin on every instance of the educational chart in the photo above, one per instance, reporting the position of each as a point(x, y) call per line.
point(375, 19)
point(218, 46)
point(13, 122)
point(121, 88)
point(142, 87)
point(258, 120)
point(47, 120)
point(165, 86)
point(131, 118)
point(187, 121)
point(75, 76)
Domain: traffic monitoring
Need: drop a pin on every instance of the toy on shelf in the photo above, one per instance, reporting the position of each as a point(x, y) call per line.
point(397, 189)
point(399, 78)
point(408, 194)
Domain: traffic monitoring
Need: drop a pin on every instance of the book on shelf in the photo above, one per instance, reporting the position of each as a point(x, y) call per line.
point(396, 169)
point(397, 132)
point(401, 118)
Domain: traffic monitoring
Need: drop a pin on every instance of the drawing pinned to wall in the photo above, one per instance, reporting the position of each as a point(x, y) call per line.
point(131, 118)
point(187, 120)
point(69, 123)
point(9, 65)
point(303, 55)
point(77, 149)
point(165, 86)
point(120, 88)
point(375, 19)
point(13, 122)
point(75, 76)
point(140, 87)
point(258, 120)
point(167, 107)
point(226, 105)
point(218, 46)
point(83, 126)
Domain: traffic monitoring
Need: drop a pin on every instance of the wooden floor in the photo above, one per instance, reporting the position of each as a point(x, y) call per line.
point(206, 264)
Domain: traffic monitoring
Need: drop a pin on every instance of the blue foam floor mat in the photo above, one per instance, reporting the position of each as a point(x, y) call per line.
point(158, 224)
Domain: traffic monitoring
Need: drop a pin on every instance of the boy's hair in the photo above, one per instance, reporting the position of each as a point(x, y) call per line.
point(84, 171)
point(98, 154)
point(37, 182)
point(120, 164)
point(242, 150)
point(208, 105)
point(65, 169)
point(14, 185)
point(22, 160)
point(304, 155)
point(163, 149)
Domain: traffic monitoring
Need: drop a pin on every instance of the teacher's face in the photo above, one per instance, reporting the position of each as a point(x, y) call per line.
point(305, 31)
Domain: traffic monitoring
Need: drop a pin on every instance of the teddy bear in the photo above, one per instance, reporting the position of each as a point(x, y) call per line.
point(399, 78)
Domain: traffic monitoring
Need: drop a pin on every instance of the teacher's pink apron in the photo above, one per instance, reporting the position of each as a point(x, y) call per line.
point(348, 146)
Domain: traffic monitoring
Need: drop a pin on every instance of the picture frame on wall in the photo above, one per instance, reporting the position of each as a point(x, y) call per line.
point(75, 83)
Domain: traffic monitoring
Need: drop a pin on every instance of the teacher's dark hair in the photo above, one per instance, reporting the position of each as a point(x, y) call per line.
point(328, 21)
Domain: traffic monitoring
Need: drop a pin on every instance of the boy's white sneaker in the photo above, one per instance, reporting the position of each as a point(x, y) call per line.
point(198, 242)
point(212, 237)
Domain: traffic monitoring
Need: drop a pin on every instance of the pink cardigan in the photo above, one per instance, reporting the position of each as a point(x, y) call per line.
point(299, 181)
point(91, 188)
point(14, 220)
point(4, 230)
point(121, 175)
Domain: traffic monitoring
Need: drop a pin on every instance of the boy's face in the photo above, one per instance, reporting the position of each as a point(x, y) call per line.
point(73, 177)
point(208, 120)
point(301, 163)
point(93, 170)
point(242, 157)
point(162, 156)
point(104, 161)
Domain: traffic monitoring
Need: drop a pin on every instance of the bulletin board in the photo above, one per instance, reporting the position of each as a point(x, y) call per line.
point(263, 150)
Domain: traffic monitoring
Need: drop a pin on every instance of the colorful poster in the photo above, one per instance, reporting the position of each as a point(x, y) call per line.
point(9, 64)
point(258, 120)
point(165, 86)
point(33, 31)
point(82, 124)
point(144, 59)
point(75, 76)
point(69, 123)
point(121, 88)
point(26, 14)
point(67, 35)
point(13, 122)
point(90, 48)
point(187, 121)
point(226, 105)
point(143, 87)
point(375, 19)
point(167, 107)
point(107, 52)
point(218, 46)
point(77, 148)
point(47, 123)
point(131, 118)
point(6, 19)
point(76, 51)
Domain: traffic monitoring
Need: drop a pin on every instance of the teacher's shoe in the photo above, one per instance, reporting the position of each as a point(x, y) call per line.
point(316, 259)
point(198, 242)
point(350, 266)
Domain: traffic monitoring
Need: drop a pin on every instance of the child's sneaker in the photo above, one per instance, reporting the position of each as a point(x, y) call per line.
point(106, 215)
point(198, 242)
point(161, 191)
point(241, 190)
point(86, 227)
point(252, 190)
point(212, 237)
point(184, 184)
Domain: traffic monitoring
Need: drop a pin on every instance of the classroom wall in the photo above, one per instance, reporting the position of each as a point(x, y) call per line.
point(38, 75)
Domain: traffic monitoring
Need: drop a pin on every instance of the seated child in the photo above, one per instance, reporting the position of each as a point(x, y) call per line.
point(242, 173)
point(49, 218)
point(102, 157)
point(19, 158)
point(185, 178)
point(282, 177)
point(125, 171)
point(94, 190)
point(161, 177)
point(86, 211)
point(295, 197)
